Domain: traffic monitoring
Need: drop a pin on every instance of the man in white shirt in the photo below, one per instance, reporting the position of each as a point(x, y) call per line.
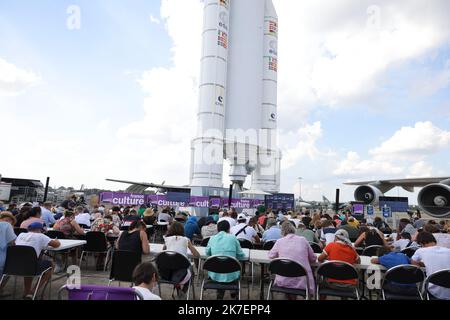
point(39, 242)
point(47, 215)
point(433, 258)
point(226, 217)
point(82, 217)
point(243, 231)
point(404, 242)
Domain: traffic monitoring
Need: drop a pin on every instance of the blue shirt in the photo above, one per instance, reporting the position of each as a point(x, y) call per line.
point(224, 244)
point(394, 259)
point(48, 217)
point(191, 228)
point(6, 236)
point(274, 233)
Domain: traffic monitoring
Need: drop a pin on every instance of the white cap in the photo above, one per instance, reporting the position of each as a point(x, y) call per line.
point(242, 217)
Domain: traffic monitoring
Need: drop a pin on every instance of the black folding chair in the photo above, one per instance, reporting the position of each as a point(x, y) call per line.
point(18, 231)
point(246, 244)
point(123, 265)
point(169, 262)
point(439, 278)
point(402, 275)
point(289, 269)
point(221, 265)
point(96, 243)
point(53, 234)
point(22, 261)
point(316, 247)
point(410, 251)
point(124, 228)
point(268, 245)
point(204, 242)
point(373, 251)
point(338, 270)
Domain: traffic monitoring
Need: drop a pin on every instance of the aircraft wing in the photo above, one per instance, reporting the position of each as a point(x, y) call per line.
point(406, 183)
point(151, 185)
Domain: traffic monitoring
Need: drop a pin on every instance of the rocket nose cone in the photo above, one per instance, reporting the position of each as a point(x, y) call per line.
point(270, 9)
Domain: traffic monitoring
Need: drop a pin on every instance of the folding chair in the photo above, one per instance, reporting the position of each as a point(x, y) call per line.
point(394, 278)
point(439, 278)
point(372, 251)
point(96, 242)
point(170, 261)
point(222, 265)
point(268, 245)
point(99, 293)
point(21, 261)
point(316, 247)
point(289, 269)
point(338, 270)
point(123, 265)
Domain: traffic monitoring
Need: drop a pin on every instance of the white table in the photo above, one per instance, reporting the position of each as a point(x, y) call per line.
point(67, 244)
point(156, 248)
point(260, 256)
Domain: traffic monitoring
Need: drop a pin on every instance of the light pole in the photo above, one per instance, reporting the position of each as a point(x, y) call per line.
point(300, 184)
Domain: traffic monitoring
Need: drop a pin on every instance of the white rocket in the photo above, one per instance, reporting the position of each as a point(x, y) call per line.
point(237, 117)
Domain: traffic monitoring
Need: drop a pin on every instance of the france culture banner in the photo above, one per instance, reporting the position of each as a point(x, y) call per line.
point(132, 199)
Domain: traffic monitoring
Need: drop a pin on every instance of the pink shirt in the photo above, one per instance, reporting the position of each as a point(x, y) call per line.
point(26, 223)
point(297, 249)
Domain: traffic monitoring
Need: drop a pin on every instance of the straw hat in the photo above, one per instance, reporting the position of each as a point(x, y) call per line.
point(149, 212)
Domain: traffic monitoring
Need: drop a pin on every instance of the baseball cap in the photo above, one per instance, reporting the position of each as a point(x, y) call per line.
point(36, 226)
point(242, 217)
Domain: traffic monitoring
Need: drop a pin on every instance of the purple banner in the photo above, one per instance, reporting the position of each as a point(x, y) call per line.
point(130, 199)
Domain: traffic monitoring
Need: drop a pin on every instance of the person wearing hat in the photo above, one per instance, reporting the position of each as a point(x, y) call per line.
point(39, 242)
point(149, 217)
point(210, 228)
point(341, 250)
point(243, 231)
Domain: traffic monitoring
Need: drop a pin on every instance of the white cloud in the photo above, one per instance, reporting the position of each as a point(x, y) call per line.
point(404, 153)
point(163, 137)
point(353, 166)
point(301, 144)
point(415, 142)
point(336, 52)
point(14, 80)
point(154, 20)
point(420, 169)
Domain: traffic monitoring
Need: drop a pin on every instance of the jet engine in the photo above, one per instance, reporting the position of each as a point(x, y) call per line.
point(434, 199)
point(368, 194)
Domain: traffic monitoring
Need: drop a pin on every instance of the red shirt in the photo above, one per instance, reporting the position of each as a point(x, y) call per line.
point(341, 252)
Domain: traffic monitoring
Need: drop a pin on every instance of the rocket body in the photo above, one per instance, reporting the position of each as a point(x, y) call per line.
point(237, 118)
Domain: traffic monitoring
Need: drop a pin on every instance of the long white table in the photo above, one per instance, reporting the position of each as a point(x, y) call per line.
point(67, 244)
point(260, 256)
point(156, 248)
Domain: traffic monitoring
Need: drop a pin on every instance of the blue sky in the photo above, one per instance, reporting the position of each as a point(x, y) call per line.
point(117, 98)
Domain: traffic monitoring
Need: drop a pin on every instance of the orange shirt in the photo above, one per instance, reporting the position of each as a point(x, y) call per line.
point(341, 252)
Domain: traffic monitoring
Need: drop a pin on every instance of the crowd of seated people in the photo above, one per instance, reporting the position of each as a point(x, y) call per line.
point(339, 235)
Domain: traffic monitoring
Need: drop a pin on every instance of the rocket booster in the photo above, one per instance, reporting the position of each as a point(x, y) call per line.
point(237, 118)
